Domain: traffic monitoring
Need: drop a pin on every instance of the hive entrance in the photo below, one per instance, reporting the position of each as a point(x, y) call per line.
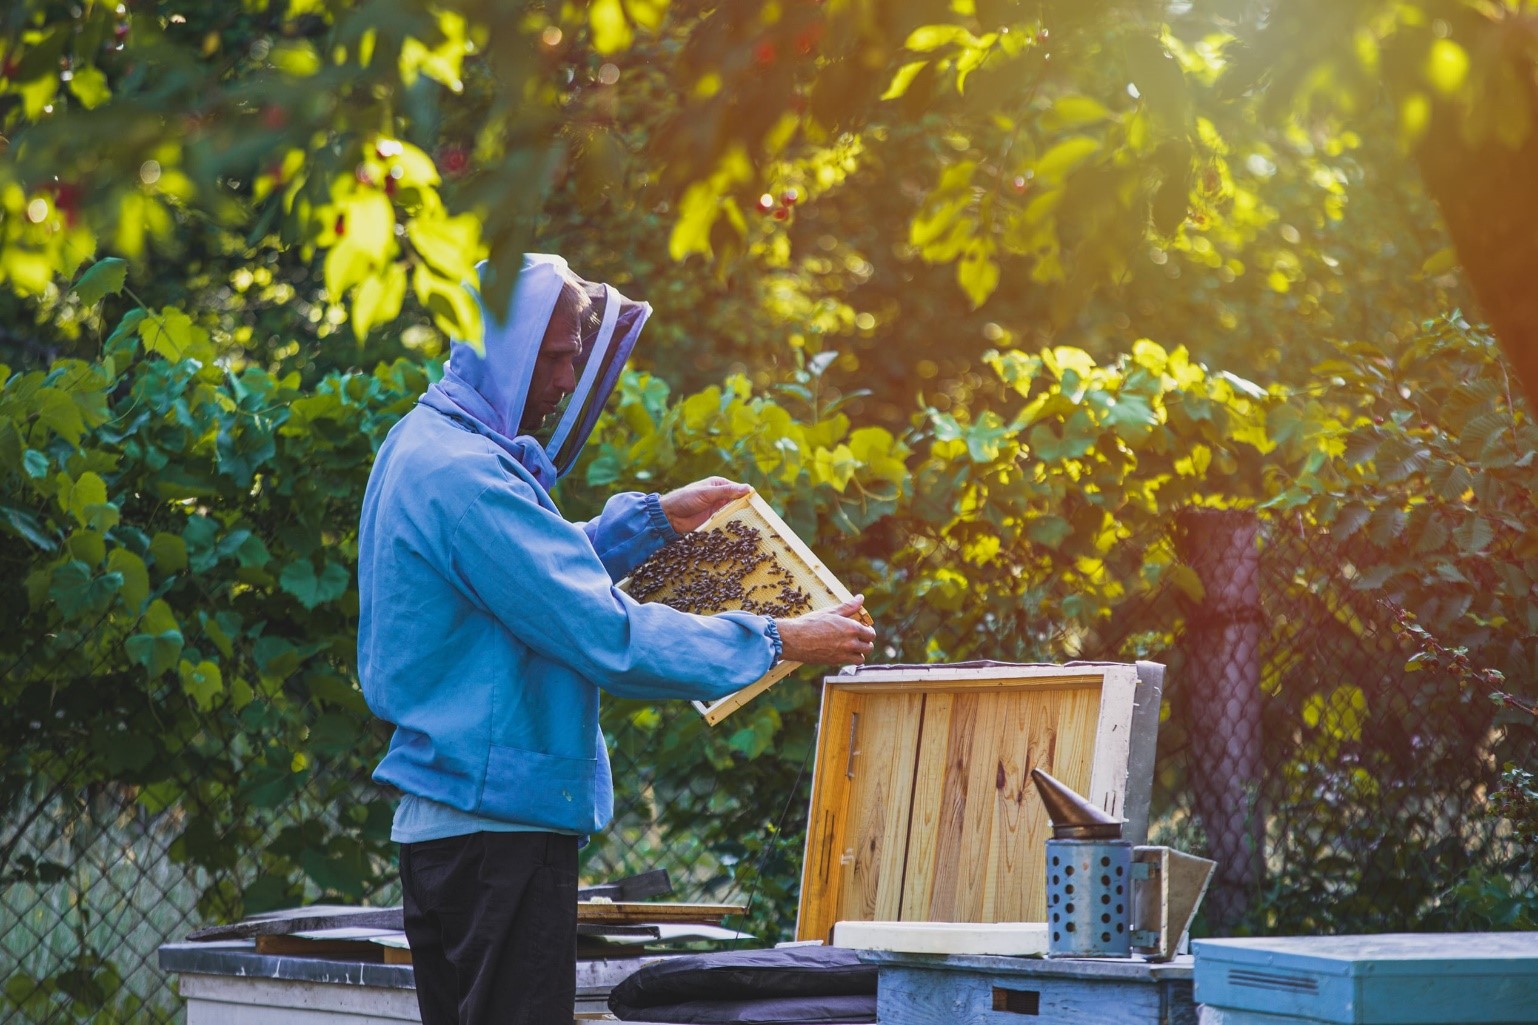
point(725, 568)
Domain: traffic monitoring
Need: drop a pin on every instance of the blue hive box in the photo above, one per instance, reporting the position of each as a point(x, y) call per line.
point(1396, 979)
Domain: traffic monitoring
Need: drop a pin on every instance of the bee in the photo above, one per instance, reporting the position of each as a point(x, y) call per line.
point(707, 571)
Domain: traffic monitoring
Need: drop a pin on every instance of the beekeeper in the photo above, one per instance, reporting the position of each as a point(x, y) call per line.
point(488, 624)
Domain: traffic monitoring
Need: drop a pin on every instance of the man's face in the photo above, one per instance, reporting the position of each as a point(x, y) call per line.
point(555, 375)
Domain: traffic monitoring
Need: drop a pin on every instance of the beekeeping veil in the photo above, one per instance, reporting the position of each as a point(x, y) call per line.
point(490, 390)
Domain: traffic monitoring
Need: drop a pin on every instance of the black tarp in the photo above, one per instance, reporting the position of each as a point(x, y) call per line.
point(788, 986)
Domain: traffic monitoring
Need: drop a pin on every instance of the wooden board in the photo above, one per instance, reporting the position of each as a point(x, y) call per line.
point(792, 555)
point(624, 913)
point(1014, 939)
point(922, 805)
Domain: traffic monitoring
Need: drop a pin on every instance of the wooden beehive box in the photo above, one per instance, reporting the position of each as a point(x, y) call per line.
point(922, 803)
point(789, 581)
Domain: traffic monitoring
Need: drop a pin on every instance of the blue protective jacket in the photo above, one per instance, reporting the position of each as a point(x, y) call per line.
point(488, 624)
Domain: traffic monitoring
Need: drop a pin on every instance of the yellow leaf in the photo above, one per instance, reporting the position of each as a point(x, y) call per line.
point(451, 244)
point(903, 79)
point(978, 272)
point(136, 579)
point(89, 85)
point(1447, 65)
point(378, 299)
point(173, 334)
point(611, 29)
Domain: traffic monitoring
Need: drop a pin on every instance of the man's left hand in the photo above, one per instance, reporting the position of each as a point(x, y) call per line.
point(695, 503)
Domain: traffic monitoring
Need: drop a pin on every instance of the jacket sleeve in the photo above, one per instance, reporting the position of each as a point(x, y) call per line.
point(630, 529)
point(540, 576)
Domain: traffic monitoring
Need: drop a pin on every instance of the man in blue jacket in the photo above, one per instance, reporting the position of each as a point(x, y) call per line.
point(487, 626)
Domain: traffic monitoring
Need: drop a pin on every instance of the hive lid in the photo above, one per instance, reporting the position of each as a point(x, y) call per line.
point(1388, 979)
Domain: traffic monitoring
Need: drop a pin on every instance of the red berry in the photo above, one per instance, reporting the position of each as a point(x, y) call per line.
point(361, 173)
point(789, 197)
point(390, 185)
point(1020, 184)
point(765, 203)
point(452, 160)
point(1378, 420)
point(764, 53)
point(1042, 35)
point(341, 225)
point(781, 214)
point(120, 31)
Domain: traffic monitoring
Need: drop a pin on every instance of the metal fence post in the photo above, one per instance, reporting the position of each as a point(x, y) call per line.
point(1220, 681)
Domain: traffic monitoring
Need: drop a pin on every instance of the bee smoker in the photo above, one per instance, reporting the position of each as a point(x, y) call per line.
point(1089, 876)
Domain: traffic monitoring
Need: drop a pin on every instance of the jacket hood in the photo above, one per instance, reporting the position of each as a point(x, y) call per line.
point(490, 388)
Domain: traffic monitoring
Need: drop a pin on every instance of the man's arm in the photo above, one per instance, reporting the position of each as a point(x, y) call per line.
point(633, 526)
point(629, 531)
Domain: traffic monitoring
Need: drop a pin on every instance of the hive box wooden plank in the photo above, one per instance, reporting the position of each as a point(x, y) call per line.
point(964, 989)
point(922, 805)
point(791, 554)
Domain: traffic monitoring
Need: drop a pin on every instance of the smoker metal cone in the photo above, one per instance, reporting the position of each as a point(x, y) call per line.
point(1073, 818)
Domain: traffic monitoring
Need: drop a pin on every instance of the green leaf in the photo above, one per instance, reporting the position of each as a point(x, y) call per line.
point(28, 526)
point(35, 463)
point(84, 494)
point(1474, 535)
point(298, 579)
point(103, 278)
point(77, 592)
point(89, 84)
point(1050, 531)
point(169, 552)
point(202, 682)
point(125, 335)
point(136, 579)
point(157, 653)
point(172, 334)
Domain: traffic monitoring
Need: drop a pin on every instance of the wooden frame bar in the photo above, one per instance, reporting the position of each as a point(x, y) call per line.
point(814, 578)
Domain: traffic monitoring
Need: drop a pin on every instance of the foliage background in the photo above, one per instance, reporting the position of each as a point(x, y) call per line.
point(982, 311)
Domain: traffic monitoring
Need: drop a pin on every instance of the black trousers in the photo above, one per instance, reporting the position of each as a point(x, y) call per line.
point(492, 923)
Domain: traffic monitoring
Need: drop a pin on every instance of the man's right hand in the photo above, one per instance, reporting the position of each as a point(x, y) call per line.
point(831, 637)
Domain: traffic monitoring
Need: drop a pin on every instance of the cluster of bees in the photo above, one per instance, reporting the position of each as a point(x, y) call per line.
point(707, 571)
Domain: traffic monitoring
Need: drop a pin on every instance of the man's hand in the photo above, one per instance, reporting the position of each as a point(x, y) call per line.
point(695, 503)
point(833, 637)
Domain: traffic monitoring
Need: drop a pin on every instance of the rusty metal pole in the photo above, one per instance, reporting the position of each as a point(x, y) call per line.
point(1220, 680)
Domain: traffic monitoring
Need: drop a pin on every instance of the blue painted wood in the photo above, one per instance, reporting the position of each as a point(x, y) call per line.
point(918, 989)
point(1396, 979)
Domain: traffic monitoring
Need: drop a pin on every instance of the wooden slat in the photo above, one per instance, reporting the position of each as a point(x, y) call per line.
point(821, 866)
point(881, 789)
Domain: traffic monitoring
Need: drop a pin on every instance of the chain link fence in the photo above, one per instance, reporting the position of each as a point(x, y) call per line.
point(1338, 791)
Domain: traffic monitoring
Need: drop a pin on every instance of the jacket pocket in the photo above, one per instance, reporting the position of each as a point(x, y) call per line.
point(532, 788)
